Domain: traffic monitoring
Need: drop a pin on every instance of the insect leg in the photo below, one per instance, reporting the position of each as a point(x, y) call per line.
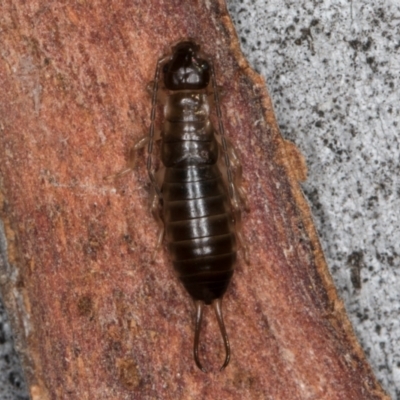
point(221, 94)
point(236, 168)
point(161, 94)
point(152, 120)
point(140, 144)
point(237, 215)
point(237, 193)
point(155, 211)
point(237, 172)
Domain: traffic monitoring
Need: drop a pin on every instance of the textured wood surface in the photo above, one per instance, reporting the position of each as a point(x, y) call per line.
point(94, 318)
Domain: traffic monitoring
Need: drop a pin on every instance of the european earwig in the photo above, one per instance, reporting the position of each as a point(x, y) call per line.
point(197, 193)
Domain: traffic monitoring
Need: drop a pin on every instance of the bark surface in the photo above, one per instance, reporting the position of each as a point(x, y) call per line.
point(93, 317)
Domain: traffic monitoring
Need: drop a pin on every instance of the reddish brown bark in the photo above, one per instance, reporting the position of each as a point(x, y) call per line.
point(94, 318)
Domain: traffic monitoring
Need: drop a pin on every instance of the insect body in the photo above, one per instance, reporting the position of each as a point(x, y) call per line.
point(198, 209)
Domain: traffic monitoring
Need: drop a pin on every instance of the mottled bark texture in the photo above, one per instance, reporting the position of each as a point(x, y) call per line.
point(93, 317)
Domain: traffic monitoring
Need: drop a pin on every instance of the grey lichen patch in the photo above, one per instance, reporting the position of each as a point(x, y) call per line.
point(11, 377)
point(7, 246)
point(5, 268)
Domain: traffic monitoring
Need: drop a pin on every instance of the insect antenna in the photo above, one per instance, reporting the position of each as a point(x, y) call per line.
point(218, 312)
point(222, 133)
point(152, 119)
point(199, 317)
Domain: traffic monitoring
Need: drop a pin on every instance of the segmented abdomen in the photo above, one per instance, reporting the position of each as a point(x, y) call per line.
point(196, 209)
point(199, 229)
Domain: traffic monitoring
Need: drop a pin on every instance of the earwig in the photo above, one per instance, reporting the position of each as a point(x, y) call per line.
point(197, 193)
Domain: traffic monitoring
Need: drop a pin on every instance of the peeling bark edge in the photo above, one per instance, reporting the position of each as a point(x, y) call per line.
point(13, 299)
point(8, 277)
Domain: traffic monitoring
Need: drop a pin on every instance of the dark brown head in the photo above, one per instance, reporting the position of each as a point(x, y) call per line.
point(186, 70)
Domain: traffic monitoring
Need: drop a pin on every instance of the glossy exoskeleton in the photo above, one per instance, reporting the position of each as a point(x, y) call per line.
point(197, 192)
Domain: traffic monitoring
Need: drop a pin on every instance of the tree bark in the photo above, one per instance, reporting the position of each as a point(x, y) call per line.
point(94, 318)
